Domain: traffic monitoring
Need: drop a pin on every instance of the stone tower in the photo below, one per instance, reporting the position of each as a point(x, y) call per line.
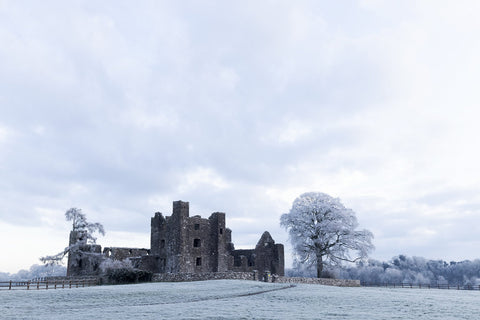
point(190, 244)
point(83, 259)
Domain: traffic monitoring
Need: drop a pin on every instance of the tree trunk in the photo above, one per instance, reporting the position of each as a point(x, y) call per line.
point(319, 265)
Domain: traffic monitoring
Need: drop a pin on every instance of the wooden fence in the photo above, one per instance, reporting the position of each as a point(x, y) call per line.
point(48, 284)
point(423, 286)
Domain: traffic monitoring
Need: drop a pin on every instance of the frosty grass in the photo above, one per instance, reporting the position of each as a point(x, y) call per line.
point(231, 299)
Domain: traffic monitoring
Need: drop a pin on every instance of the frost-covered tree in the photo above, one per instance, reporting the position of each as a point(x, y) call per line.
point(323, 232)
point(413, 270)
point(84, 229)
point(82, 235)
point(35, 271)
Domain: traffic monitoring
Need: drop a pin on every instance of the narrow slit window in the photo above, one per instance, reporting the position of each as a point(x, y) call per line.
point(197, 243)
point(197, 226)
point(198, 261)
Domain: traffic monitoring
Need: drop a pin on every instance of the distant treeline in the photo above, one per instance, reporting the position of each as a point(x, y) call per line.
point(36, 271)
point(404, 269)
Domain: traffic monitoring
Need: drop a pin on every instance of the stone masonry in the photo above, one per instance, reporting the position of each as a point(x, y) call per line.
point(184, 244)
point(193, 245)
point(84, 259)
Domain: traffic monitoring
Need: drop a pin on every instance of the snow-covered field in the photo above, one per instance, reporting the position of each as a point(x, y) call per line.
point(235, 299)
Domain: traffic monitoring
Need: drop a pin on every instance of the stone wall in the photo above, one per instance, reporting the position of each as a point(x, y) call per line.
point(117, 253)
point(185, 244)
point(84, 260)
point(321, 281)
point(266, 257)
point(180, 277)
point(269, 256)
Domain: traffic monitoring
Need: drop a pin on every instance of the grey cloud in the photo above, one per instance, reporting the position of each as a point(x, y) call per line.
point(113, 107)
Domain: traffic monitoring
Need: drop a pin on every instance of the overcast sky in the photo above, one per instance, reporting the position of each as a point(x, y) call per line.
point(121, 107)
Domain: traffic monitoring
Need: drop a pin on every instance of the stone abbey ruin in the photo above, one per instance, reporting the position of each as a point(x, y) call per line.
point(183, 244)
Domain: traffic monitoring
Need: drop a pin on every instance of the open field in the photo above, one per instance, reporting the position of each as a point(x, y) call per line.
point(236, 299)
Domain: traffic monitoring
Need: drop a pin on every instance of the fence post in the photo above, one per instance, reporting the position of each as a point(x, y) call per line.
point(38, 284)
point(46, 284)
point(10, 285)
point(28, 285)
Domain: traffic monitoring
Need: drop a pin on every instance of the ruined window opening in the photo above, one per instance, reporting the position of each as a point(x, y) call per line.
point(197, 226)
point(197, 243)
point(198, 261)
point(221, 231)
point(162, 243)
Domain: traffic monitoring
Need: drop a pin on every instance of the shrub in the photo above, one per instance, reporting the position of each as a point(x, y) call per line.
point(125, 275)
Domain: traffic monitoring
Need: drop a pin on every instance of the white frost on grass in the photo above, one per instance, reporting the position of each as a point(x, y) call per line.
point(228, 299)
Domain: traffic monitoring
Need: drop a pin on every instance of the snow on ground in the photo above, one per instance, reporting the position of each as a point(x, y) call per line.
point(235, 299)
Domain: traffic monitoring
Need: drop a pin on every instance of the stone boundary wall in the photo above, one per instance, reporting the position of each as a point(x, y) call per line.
point(321, 281)
point(179, 277)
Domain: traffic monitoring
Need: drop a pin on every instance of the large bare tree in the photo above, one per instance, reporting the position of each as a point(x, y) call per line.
point(323, 232)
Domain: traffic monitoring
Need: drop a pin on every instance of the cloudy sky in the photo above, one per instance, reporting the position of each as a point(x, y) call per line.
point(120, 108)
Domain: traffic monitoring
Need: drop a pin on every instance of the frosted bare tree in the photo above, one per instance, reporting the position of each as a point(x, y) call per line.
point(82, 234)
point(322, 232)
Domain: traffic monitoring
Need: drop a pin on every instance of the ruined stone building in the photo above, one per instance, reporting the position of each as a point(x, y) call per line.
point(183, 244)
point(84, 259)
